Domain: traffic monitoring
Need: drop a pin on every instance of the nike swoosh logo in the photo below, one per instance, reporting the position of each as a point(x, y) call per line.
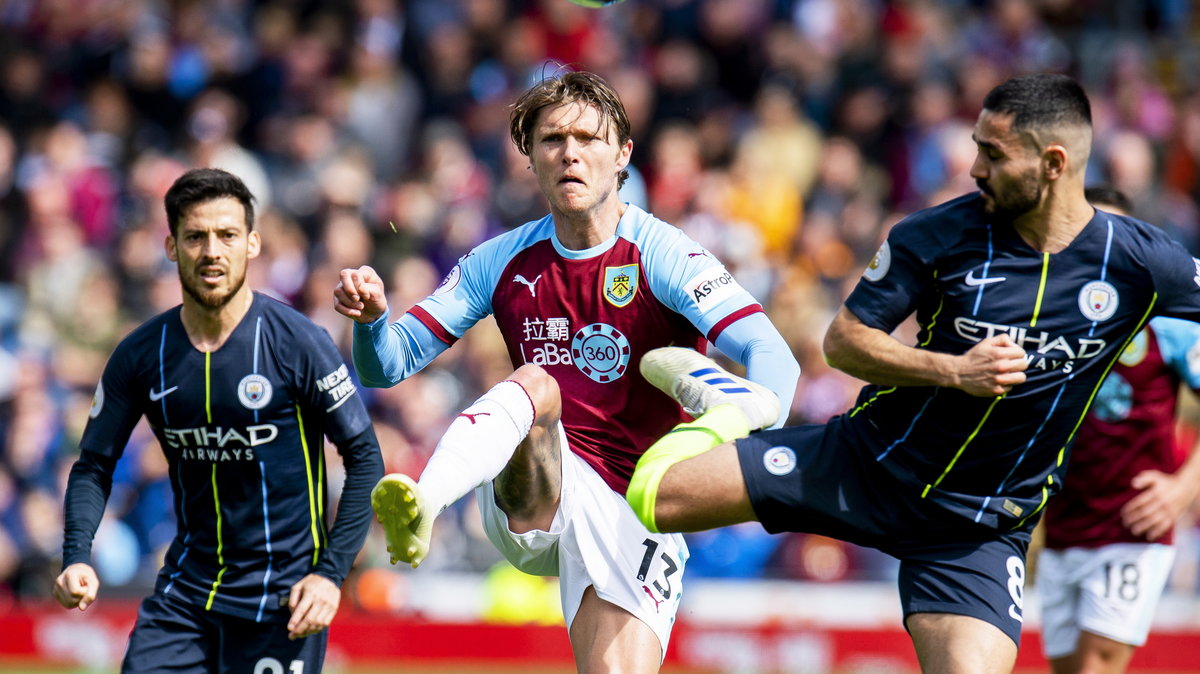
point(156, 396)
point(972, 280)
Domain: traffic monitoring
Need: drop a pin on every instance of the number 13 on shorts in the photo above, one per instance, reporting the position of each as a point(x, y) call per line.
point(657, 584)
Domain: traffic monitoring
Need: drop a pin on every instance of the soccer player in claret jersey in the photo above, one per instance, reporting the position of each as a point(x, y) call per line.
point(1025, 296)
point(240, 391)
point(579, 296)
point(1109, 546)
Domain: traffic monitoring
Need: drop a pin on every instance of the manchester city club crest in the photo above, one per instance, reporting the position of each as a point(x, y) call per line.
point(620, 284)
point(1098, 300)
point(254, 391)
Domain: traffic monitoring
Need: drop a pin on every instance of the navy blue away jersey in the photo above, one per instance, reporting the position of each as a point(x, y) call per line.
point(242, 429)
point(997, 459)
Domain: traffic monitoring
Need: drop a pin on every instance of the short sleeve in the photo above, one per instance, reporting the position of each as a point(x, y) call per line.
point(1176, 278)
point(893, 282)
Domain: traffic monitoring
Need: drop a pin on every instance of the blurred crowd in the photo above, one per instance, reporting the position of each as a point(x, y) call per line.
point(784, 135)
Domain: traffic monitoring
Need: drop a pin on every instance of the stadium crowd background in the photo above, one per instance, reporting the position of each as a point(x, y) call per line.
point(785, 135)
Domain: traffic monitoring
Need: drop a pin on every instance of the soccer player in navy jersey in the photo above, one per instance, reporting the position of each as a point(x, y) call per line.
point(1025, 296)
point(1108, 533)
point(241, 392)
point(579, 296)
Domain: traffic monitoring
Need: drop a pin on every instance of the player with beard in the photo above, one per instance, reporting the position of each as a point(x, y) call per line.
point(1109, 544)
point(240, 391)
point(1025, 296)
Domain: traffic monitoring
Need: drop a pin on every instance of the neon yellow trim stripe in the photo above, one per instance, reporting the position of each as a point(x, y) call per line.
point(321, 488)
point(873, 398)
point(212, 594)
point(934, 318)
point(950, 466)
point(928, 338)
point(313, 514)
point(1037, 306)
point(1062, 452)
point(208, 385)
point(1141, 324)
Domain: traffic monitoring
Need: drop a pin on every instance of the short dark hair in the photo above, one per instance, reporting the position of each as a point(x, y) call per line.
point(205, 184)
point(569, 87)
point(1103, 195)
point(1041, 100)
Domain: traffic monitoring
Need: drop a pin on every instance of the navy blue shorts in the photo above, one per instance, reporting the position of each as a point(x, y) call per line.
point(174, 636)
point(805, 479)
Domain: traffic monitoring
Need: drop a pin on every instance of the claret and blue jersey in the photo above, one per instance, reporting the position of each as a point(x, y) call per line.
point(586, 317)
point(243, 431)
point(998, 459)
point(1130, 429)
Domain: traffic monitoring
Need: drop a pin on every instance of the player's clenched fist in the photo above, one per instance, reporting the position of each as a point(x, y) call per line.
point(360, 295)
point(77, 585)
point(992, 367)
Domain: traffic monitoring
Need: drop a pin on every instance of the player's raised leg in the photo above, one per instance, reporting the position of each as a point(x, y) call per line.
point(528, 488)
point(476, 447)
point(699, 384)
point(690, 479)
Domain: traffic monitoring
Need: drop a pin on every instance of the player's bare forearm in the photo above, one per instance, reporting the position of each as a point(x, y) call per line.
point(991, 367)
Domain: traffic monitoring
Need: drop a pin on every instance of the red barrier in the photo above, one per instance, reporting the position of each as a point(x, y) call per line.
point(97, 637)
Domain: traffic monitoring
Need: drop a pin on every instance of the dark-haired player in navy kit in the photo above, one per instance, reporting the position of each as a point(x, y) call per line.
point(1025, 296)
point(241, 392)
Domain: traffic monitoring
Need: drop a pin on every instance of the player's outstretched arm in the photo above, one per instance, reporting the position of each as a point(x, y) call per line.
point(754, 342)
point(77, 585)
point(991, 367)
point(313, 602)
point(360, 295)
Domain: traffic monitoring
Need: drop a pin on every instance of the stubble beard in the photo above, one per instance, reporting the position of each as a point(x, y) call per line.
point(211, 299)
point(1015, 204)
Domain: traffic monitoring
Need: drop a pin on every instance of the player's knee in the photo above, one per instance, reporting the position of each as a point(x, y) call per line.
point(543, 392)
point(643, 494)
point(641, 497)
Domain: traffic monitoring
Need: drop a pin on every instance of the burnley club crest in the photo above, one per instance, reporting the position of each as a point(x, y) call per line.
point(620, 284)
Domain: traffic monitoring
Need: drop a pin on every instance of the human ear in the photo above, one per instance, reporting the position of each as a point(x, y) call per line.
point(1055, 160)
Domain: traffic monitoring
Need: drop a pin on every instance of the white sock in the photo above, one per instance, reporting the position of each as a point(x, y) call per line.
point(477, 446)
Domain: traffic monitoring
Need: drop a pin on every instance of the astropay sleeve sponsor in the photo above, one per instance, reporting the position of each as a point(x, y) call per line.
point(711, 287)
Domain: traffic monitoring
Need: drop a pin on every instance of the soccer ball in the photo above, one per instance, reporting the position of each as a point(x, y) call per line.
point(595, 4)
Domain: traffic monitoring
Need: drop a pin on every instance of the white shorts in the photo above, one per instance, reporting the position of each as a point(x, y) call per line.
point(595, 539)
point(1110, 591)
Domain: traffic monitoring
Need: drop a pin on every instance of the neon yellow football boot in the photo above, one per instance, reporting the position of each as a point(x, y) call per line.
point(407, 524)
